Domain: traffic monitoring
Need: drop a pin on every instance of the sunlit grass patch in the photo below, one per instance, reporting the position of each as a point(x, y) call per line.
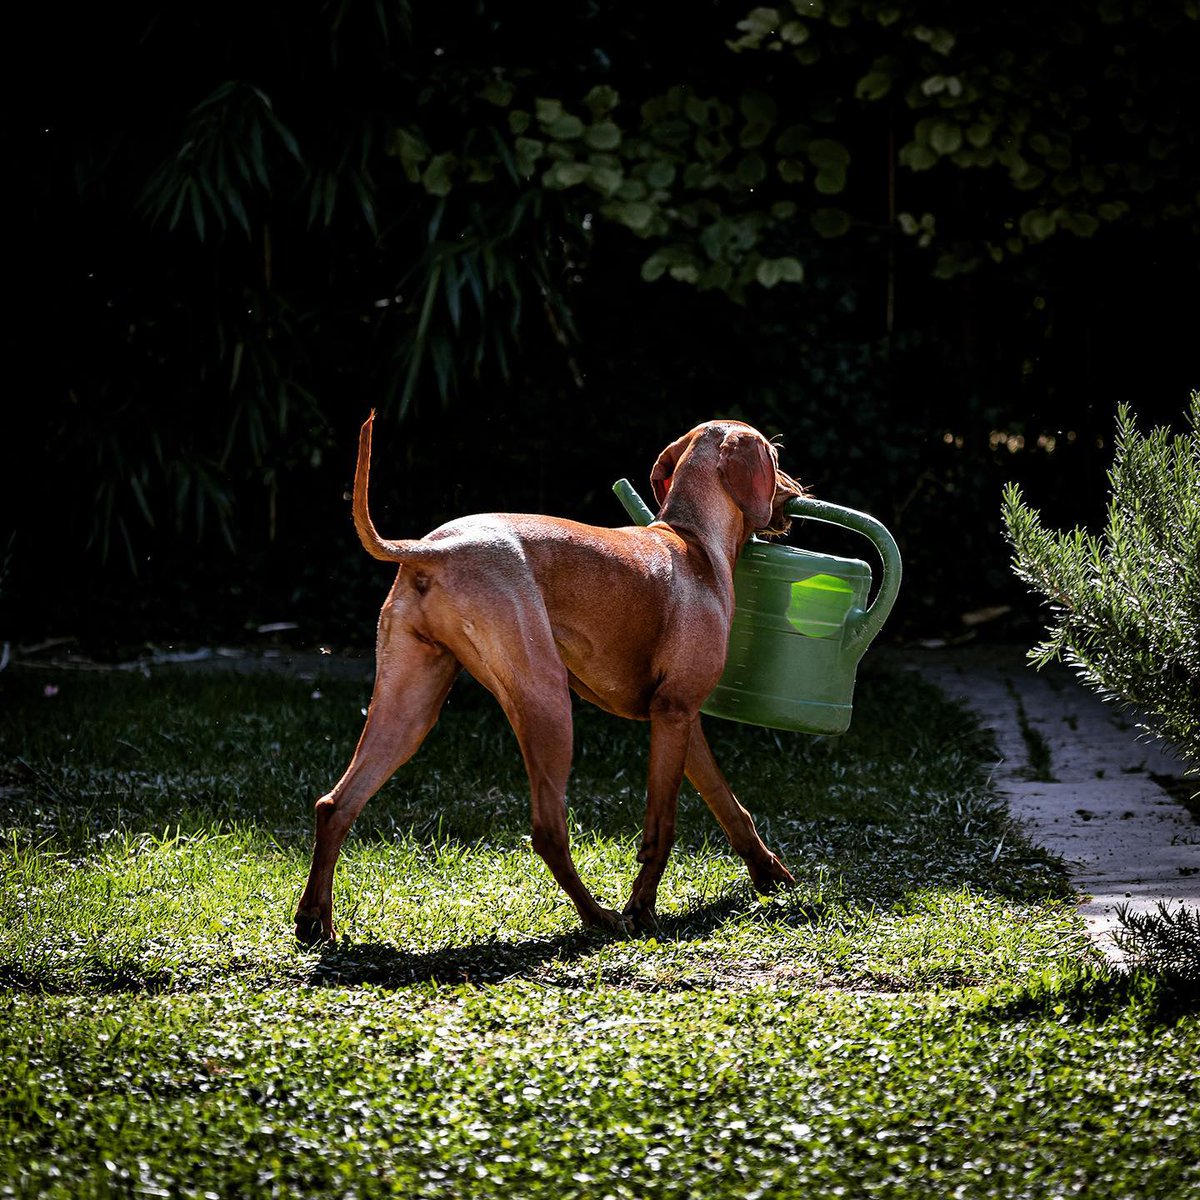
point(170, 912)
point(920, 1015)
point(160, 830)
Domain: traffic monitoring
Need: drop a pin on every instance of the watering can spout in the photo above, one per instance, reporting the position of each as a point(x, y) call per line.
point(633, 504)
point(801, 623)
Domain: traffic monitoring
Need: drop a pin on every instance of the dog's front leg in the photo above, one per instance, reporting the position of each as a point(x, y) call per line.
point(670, 734)
point(766, 871)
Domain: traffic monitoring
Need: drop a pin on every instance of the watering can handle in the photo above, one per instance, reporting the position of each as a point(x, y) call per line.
point(870, 621)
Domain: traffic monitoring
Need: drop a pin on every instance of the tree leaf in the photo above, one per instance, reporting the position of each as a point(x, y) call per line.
point(1081, 224)
point(601, 100)
point(873, 86)
point(830, 222)
point(499, 92)
point(759, 22)
point(823, 151)
point(757, 106)
point(790, 269)
point(945, 137)
point(754, 133)
point(603, 135)
point(565, 127)
point(979, 134)
point(793, 140)
point(768, 272)
point(408, 145)
point(562, 175)
point(659, 174)
point(831, 179)
point(451, 281)
point(437, 176)
point(606, 180)
point(634, 214)
point(917, 157)
point(751, 170)
point(528, 151)
point(1037, 224)
point(655, 267)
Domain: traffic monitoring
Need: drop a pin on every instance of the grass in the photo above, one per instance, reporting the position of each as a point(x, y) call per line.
point(1038, 763)
point(920, 1015)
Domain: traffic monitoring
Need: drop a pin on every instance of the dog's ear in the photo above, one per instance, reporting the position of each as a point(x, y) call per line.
point(664, 468)
point(747, 469)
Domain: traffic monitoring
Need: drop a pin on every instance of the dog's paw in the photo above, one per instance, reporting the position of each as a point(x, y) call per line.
point(310, 932)
point(610, 921)
point(770, 876)
point(641, 917)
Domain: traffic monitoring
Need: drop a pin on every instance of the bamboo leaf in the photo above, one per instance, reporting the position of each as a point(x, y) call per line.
point(197, 208)
point(366, 202)
point(450, 284)
point(257, 157)
point(330, 196)
point(234, 200)
point(139, 494)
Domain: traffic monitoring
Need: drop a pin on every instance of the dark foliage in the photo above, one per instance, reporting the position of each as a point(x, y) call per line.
point(244, 227)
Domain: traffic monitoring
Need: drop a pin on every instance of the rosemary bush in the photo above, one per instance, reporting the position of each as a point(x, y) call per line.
point(1166, 941)
point(1125, 605)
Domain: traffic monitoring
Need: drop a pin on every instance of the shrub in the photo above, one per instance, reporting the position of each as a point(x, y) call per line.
point(1125, 605)
point(1166, 942)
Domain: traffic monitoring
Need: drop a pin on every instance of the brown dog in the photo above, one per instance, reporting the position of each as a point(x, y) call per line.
point(635, 620)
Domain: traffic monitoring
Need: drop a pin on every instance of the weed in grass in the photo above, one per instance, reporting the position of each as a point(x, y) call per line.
point(1039, 765)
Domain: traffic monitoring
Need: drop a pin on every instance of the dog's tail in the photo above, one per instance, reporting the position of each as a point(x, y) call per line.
point(376, 546)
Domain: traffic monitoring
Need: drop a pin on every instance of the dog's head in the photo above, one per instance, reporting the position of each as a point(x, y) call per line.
point(745, 463)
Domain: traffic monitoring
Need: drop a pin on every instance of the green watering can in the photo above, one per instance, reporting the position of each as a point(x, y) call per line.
point(800, 625)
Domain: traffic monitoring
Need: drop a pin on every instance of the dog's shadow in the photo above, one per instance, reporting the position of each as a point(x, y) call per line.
point(493, 960)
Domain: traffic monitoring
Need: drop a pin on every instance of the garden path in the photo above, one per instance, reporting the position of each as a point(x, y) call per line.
point(1082, 780)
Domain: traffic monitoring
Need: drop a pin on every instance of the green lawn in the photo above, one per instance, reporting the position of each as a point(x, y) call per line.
point(921, 1016)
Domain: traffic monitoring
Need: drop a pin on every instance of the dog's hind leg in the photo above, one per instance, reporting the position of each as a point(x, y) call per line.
point(412, 679)
point(540, 714)
point(541, 719)
point(510, 649)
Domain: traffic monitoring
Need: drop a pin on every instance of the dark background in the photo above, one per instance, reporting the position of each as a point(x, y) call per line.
point(187, 369)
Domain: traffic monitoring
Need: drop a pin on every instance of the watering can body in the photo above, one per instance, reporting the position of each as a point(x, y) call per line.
point(801, 623)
